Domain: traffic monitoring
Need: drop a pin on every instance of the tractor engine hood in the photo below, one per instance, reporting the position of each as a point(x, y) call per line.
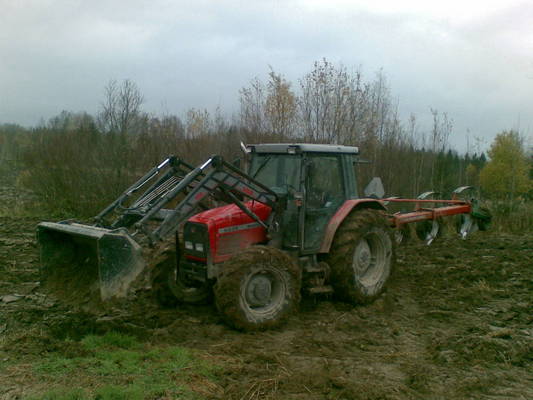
point(230, 230)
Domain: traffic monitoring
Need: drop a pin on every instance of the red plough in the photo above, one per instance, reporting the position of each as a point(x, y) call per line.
point(470, 216)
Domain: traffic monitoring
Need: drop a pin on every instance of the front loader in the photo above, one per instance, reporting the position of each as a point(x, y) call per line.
point(294, 221)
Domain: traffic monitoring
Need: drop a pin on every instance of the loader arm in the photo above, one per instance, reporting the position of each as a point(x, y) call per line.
point(171, 171)
point(217, 178)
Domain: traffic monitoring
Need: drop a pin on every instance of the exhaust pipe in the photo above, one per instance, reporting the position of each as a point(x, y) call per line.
point(80, 263)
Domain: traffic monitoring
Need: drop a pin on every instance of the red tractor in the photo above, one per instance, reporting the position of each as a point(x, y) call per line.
point(295, 220)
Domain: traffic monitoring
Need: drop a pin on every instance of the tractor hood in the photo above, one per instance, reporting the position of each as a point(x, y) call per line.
point(230, 230)
point(231, 215)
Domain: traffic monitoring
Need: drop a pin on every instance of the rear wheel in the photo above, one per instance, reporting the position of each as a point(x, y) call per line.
point(361, 257)
point(258, 288)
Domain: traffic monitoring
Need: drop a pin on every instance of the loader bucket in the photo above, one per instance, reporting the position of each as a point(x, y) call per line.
point(82, 263)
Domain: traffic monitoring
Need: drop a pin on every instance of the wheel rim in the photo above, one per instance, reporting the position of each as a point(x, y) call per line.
point(263, 291)
point(370, 259)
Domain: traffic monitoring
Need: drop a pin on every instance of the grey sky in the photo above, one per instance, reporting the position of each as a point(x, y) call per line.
point(470, 59)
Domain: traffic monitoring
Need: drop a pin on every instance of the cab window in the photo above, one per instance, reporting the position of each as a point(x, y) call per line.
point(279, 172)
point(324, 184)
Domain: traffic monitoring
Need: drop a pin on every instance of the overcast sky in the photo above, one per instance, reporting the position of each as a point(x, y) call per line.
point(471, 59)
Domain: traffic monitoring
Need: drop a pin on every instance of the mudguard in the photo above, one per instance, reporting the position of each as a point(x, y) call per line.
point(335, 221)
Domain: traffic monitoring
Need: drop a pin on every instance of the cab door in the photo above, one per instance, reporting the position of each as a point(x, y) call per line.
point(325, 193)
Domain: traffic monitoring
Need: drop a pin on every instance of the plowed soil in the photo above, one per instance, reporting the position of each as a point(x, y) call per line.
point(455, 323)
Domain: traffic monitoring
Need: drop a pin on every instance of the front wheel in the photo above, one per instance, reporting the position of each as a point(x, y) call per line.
point(258, 288)
point(169, 289)
point(361, 257)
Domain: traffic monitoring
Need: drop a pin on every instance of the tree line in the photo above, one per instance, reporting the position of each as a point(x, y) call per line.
point(79, 162)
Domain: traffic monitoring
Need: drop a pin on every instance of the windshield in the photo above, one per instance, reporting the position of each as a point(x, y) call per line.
point(277, 171)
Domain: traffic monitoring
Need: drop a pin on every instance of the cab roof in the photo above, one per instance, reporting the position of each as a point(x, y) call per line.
point(301, 148)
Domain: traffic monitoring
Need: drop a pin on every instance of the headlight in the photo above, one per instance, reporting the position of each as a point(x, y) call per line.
point(196, 239)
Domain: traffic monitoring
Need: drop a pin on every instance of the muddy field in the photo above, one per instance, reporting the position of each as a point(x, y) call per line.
point(455, 323)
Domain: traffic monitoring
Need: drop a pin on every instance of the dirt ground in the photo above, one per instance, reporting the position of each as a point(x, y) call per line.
point(455, 323)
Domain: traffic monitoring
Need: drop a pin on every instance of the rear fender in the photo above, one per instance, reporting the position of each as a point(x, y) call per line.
point(341, 214)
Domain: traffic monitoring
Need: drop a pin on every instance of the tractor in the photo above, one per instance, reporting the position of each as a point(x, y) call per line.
point(291, 220)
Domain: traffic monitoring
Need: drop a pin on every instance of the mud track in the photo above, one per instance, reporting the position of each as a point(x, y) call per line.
point(455, 323)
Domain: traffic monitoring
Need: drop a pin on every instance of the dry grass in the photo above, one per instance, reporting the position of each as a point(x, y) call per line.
point(514, 217)
point(112, 366)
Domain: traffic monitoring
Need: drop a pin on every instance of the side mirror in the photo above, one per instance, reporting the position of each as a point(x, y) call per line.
point(375, 189)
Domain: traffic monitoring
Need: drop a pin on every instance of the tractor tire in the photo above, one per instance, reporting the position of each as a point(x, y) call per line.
point(169, 291)
point(362, 257)
point(258, 288)
point(162, 272)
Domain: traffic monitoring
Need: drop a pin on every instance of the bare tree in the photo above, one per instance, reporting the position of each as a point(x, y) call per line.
point(440, 133)
point(333, 104)
point(324, 95)
point(280, 106)
point(252, 101)
point(197, 123)
point(121, 109)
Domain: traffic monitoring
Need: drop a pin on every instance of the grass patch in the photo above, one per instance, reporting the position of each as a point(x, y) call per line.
point(110, 340)
point(61, 394)
point(116, 366)
point(107, 392)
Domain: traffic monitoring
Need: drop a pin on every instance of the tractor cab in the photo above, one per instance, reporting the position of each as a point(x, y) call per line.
point(316, 180)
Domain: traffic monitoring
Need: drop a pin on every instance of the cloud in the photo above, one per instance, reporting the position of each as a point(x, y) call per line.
point(473, 62)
